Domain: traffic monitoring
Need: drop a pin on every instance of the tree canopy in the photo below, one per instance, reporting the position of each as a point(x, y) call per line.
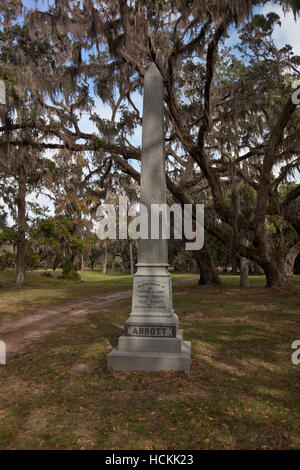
point(232, 128)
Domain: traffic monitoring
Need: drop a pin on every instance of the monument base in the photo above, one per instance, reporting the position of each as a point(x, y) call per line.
point(142, 344)
point(151, 340)
point(150, 361)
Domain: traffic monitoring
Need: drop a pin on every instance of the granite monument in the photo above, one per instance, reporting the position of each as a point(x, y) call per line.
point(152, 340)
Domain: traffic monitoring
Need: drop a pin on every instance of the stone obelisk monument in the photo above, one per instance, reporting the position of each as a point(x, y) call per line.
point(152, 340)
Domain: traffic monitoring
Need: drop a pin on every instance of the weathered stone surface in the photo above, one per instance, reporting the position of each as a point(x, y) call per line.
point(151, 294)
point(150, 331)
point(151, 339)
point(146, 344)
point(151, 361)
point(153, 175)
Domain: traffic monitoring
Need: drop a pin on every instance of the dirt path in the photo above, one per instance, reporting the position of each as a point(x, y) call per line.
point(20, 332)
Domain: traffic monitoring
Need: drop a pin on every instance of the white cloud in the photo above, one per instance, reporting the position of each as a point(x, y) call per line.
point(288, 32)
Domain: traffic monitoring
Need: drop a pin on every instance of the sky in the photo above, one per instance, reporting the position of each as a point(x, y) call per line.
point(287, 33)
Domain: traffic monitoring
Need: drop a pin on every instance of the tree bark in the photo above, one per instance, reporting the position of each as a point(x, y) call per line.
point(131, 257)
point(244, 266)
point(56, 261)
point(233, 263)
point(275, 274)
point(291, 257)
point(208, 273)
point(82, 261)
point(104, 263)
point(244, 272)
point(124, 265)
point(21, 221)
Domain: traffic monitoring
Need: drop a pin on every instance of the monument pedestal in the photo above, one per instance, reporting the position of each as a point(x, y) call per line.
point(151, 340)
point(151, 361)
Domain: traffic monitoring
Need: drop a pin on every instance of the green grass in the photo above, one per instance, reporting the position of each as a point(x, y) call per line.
point(40, 291)
point(242, 393)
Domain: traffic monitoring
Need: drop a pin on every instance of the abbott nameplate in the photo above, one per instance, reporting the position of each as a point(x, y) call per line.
point(152, 331)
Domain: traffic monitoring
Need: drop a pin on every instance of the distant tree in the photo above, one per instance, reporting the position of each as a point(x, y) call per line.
point(215, 142)
point(94, 255)
point(21, 165)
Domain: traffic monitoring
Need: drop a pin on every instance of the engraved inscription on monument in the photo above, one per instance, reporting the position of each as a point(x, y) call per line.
point(152, 331)
point(151, 294)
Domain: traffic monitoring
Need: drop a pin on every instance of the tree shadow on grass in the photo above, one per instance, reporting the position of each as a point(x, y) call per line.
point(242, 391)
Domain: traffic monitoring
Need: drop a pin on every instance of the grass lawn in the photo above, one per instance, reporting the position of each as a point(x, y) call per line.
point(40, 291)
point(242, 393)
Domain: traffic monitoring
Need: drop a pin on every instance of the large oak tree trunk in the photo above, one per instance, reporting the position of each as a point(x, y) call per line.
point(274, 269)
point(291, 257)
point(244, 268)
point(275, 274)
point(234, 270)
point(21, 220)
point(208, 273)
